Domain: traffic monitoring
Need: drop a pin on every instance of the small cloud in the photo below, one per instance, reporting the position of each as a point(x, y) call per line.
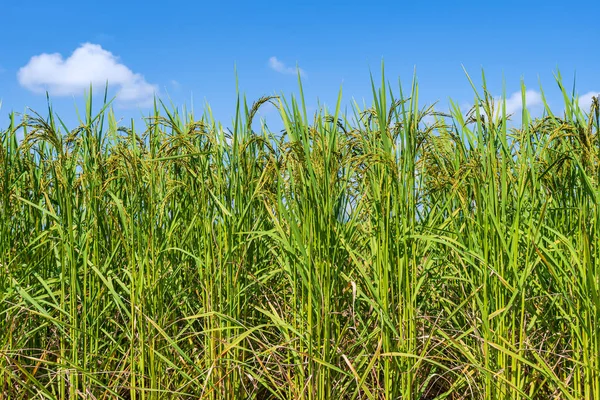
point(585, 100)
point(514, 103)
point(280, 67)
point(175, 84)
point(465, 107)
point(89, 64)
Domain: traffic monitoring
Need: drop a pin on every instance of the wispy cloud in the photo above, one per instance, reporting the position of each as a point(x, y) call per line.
point(88, 64)
point(585, 100)
point(280, 67)
point(514, 103)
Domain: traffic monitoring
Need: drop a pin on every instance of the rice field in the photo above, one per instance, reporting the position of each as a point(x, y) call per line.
point(386, 252)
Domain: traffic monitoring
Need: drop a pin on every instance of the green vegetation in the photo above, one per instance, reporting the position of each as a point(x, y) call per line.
point(375, 254)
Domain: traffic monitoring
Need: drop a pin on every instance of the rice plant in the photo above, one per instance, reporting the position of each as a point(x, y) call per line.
point(388, 252)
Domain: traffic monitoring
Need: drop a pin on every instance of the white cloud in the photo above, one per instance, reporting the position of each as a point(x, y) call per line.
point(465, 107)
point(514, 102)
point(175, 84)
point(585, 100)
point(89, 64)
point(514, 105)
point(280, 67)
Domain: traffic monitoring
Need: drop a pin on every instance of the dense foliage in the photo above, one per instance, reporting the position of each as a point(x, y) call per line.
point(386, 253)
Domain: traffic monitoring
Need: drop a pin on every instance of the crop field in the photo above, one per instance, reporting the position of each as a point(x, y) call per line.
point(386, 252)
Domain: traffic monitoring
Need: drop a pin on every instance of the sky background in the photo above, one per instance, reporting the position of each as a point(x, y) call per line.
point(189, 51)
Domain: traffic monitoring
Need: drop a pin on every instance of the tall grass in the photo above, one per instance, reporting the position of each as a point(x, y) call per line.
point(386, 253)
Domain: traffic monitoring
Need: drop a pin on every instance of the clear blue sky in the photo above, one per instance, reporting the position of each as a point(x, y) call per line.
point(191, 48)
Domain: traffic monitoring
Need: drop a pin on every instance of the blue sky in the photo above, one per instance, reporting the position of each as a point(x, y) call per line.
point(191, 49)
